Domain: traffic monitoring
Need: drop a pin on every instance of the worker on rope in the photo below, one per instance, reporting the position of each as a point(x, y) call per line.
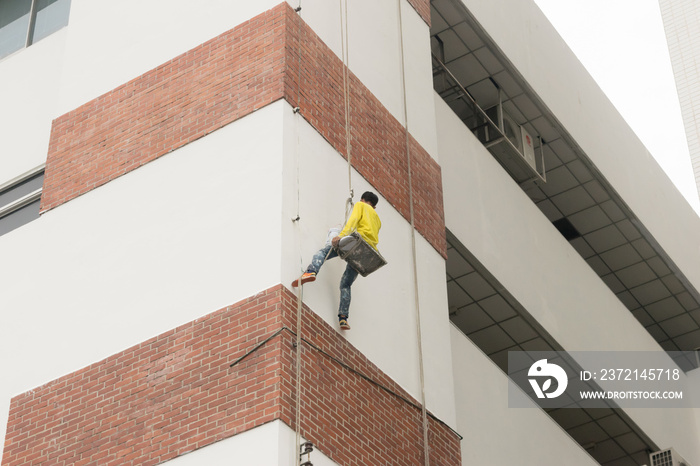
point(366, 222)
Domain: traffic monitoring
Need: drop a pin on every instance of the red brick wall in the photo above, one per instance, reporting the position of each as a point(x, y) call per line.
point(176, 393)
point(355, 421)
point(158, 400)
point(377, 139)
point(422, 7)
point(176, 103)
point(227, 78)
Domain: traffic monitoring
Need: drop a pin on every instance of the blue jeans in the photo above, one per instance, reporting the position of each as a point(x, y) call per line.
point(346, 280)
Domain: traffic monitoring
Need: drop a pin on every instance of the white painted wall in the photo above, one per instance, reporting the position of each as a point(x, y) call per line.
point(28, 98)
point(374, 55)
point(109, 43)
point(680, 18)
point(178, 238)
point(104, 45)
point(273, 443)
point(382, 312)
point(694, 384)
point(166, 243)
point(494, 433)
point(496, 221)
point(199, 229)
point(536, 50)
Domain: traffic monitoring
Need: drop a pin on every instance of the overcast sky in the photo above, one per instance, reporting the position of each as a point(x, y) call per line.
point(623, 45)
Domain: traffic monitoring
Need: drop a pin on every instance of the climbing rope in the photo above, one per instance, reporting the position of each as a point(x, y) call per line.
point(345, 55)
point(348, 209)
point(300, 288)
point(298, 372)
point(424, 412)
point(348, 204)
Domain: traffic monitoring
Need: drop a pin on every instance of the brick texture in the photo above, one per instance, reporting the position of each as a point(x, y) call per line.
point(353, 420)
point(273, 56)
point(176, 103)
point(377, 139)
point(176, 393)
point(422, 7)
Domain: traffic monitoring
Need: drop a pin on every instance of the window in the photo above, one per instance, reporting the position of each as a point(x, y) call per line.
point(24, 22)
point(19, 200)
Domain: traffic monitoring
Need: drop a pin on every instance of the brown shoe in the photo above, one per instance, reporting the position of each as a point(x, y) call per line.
point(306, 278)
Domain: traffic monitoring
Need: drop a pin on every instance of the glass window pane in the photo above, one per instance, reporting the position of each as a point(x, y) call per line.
point(51, 15)
point(19, 217)
point(14, 23)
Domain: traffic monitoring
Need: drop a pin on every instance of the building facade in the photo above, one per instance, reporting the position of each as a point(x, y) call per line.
point(682, 26)
point(167, 170)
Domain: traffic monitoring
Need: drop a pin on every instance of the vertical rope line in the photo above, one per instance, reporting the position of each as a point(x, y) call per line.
point(297, 110)
point(424, 412)
point(345, 55)
point(300, 291)
point(297, 417)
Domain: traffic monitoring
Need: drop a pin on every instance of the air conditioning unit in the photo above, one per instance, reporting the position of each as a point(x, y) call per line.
point(668, 457)
point(515, 133)
point(528, 148)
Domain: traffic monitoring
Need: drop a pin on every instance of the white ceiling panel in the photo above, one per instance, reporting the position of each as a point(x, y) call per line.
point(589, 220)
point(559, 180)
point(589, 432)
point(468, 35)
point(549, 210)
point(679, 325)
point(457, 265)
point(448, 11)
point(614, 425)
point(583, 248)
point(605, 239)
point(598, 193)
point(687, 301)
point(492, 339)
point(573, 201)
point(643, 317)
point(631, 442)
point(687, 340)
point(453, 45)
point(665, 309)
point(475, 285)
point(650, 292)
point(621, 256)
point(437, 22)
point(488, 60)
point(497, 308)
point(518, 329)
point(630, 231)
point(471, 319)
point(608, 451)
point(456, 296)
point(613, 283)
point(467, 70)
point(526, 106)
point(636, 274)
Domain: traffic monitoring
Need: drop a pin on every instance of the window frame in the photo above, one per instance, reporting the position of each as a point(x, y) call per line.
point(32, 20)
point(25, 200)
point(28, 39)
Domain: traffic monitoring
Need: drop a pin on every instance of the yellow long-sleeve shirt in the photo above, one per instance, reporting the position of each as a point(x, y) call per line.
point(365, 221)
